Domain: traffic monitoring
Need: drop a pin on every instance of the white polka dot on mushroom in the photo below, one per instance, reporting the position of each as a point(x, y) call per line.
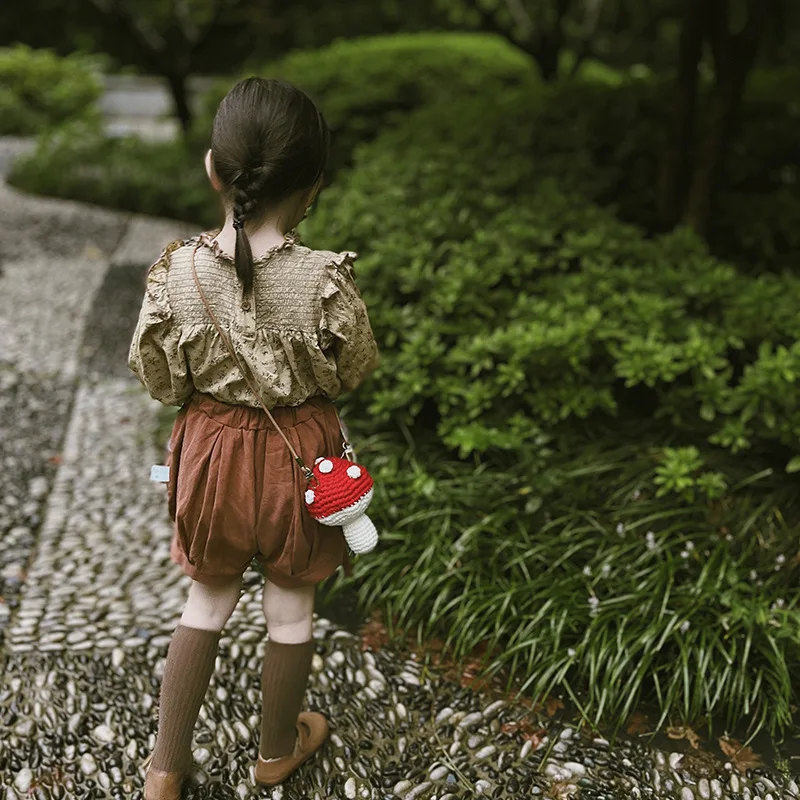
point(309, 496)
point(317, 460)
point(354, 471)
point(326, 465)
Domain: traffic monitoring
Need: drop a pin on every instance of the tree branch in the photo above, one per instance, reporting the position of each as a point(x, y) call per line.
point(593, 9)
point(717, 13)
point(734, 57)
point(520, 15)
point(746, 41)
point(219, 8)
point(147, 36)
point(184, 19)
point(489, 24)
point(590, 23)
point(675, 167)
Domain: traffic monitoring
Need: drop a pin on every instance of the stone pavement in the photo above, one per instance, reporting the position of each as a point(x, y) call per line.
point(89, 597)
point(142, 105)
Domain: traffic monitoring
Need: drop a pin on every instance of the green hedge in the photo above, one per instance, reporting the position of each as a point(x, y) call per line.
point(364, 85)
point(571, 396)
point(508, 304)
point(39, 89)
point(78, 161)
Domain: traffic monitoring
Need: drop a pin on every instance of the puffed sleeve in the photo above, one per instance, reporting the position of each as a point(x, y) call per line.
point(345, 328)
point(155, 354)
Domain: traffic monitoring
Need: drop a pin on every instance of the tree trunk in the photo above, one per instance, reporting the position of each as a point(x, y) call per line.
point(718, 117)
point(584, 49)
point(622, 19)
point(778, 33)
point(178, 87)
point(546, 51)
point(544, 46)
point(676, 158)
point(734, 57)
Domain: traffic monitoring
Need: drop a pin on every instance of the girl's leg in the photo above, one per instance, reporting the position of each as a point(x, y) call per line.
point(190, 662)
point(287, 664)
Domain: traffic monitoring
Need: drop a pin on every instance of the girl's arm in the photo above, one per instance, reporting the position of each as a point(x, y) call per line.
point(155, 354)
point(345, 327)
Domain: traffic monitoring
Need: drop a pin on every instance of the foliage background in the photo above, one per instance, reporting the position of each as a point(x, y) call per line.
point(585, 427)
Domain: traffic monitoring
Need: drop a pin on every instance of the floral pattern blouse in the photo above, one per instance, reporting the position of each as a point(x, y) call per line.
point(302, 331)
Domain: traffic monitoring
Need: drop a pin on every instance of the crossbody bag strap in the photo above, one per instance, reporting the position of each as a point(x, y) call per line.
point(307, 472)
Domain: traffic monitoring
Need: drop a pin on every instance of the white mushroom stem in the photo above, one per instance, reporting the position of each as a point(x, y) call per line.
point(360, 534)
point(359, 531)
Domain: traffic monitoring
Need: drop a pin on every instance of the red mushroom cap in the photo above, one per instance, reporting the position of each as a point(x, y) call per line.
point(340, 484)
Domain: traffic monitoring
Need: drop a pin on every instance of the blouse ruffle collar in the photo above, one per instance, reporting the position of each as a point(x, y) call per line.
point(207, 239)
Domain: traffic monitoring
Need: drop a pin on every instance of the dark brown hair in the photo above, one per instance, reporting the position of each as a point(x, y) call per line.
point(269, 140)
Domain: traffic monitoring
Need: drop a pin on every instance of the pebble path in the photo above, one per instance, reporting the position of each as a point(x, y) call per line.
point(89, 597)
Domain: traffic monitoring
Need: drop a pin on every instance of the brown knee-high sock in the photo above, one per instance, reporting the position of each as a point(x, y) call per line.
point(190, 662)
point(284, 676)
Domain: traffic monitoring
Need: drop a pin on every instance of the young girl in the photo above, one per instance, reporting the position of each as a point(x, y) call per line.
point(298, 325)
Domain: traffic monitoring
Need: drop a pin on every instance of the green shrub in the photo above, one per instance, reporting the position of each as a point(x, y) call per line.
point(78, 161)
point(575, 577)
point(506, 305)
point(364, 85)
point(559, 376)
point(41, 89)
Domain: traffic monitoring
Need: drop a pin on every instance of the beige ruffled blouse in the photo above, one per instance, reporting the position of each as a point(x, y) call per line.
point(304, 329)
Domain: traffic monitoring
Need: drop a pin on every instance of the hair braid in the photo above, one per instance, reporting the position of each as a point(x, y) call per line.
point(246, 191)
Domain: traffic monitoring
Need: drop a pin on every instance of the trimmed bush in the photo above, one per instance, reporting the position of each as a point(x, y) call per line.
point(364, 85)
point(78, 161)
point(41, 89)
point(507, 305)
point(541, 425)
point(570, 393)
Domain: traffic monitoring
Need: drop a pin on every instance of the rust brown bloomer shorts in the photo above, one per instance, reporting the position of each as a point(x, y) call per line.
point(235, 492)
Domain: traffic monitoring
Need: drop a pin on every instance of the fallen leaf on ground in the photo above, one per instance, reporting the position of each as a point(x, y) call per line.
point(516, 697)
point(470, 677)
point(510, 727)
point(638, 724)
point(743, 758)
point(551, 705)
point(684, 732)
point(373, 633)
point(527, 729)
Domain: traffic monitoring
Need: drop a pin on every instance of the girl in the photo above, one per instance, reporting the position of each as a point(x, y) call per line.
point(298, 325)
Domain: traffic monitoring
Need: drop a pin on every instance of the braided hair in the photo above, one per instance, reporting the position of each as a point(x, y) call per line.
point(268, 141)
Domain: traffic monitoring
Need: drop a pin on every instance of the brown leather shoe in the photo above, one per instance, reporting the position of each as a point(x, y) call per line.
point(312, 730)
point(160, 785)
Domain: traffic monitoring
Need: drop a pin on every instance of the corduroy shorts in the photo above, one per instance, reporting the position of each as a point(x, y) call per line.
point(236, 494)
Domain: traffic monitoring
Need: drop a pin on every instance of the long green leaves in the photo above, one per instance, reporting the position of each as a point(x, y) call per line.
point(638, 599)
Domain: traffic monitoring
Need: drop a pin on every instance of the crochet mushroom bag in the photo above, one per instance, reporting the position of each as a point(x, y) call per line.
point(340, 496)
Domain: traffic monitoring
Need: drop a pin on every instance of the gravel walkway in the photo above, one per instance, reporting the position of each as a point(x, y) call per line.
point(89, 598)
